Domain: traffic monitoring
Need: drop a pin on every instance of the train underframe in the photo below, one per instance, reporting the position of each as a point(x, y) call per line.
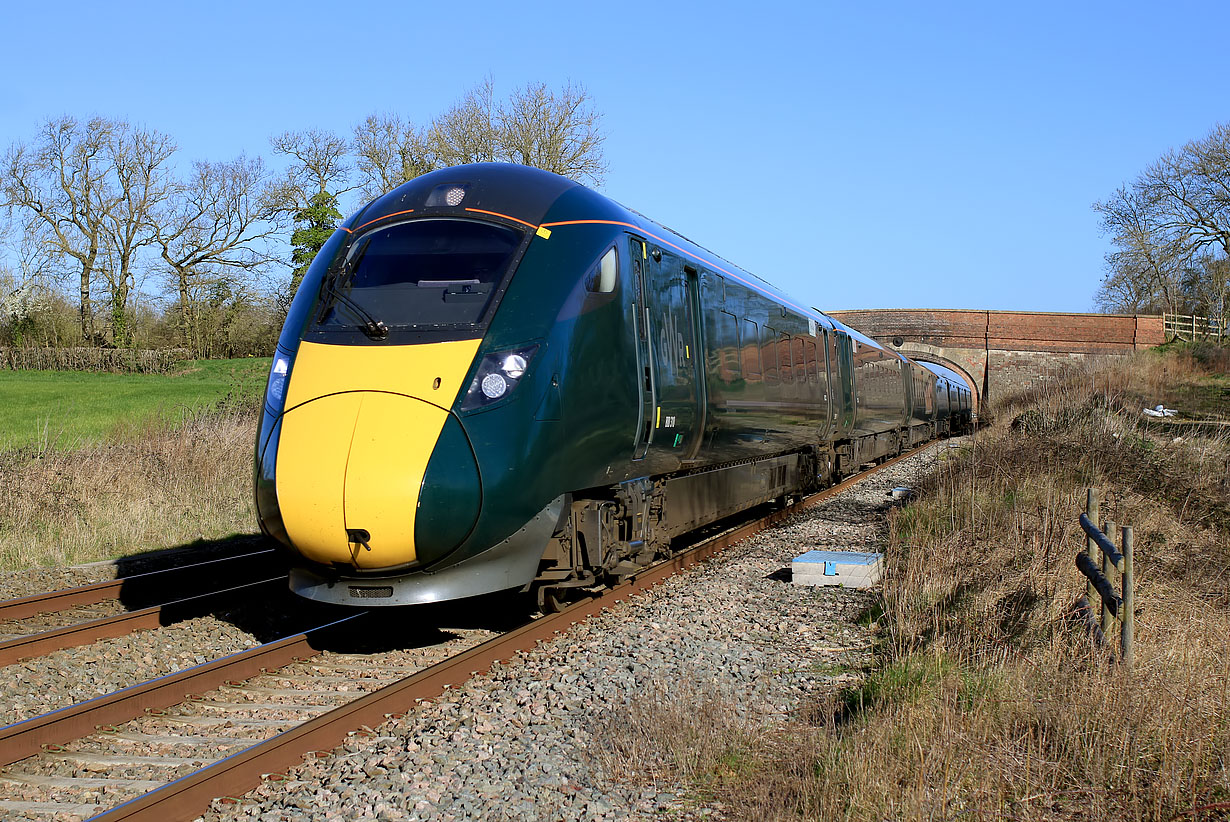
point(613, 533)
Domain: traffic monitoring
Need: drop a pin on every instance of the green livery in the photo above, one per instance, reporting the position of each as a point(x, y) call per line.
point(628, 385)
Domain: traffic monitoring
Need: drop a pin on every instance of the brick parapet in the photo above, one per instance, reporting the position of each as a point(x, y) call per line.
point(1010, 330)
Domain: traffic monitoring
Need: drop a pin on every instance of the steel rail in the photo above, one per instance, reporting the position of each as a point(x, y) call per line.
point(83, 633)
point(190, 796)
point(51, 601)
point(23, 739)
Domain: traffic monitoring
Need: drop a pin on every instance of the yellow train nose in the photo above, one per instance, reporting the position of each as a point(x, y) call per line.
point(350, 468)
point(351, 459)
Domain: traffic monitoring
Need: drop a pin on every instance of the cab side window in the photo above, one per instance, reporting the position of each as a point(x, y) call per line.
point(603, 275)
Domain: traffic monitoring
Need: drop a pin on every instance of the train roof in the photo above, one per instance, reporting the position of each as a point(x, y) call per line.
point(520, 193)
point(527, 196)
point(946, 373)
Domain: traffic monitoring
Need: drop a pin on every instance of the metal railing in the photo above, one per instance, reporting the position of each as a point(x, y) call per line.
point(1114, 605)
point(1190, 327)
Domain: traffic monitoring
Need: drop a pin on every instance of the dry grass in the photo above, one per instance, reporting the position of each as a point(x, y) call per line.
point(989, 702)
point(151, 485)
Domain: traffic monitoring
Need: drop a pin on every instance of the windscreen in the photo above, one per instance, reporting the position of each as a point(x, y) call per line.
point(421, 274)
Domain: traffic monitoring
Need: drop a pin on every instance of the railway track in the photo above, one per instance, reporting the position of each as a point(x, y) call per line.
point(43, 623)
point(165, 749)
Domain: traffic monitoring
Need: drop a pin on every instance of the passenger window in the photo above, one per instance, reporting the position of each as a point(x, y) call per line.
point(784, 359)
point(768, 355)
point(749, 337)
point(809, 360)
point(800, 360)
point(728, 348)
point(602, 277)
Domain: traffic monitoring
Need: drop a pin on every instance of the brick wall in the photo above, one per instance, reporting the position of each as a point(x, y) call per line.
point(1010, 330)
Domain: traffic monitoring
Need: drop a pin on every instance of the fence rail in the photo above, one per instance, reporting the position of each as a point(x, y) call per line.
point(1190, 327)
point(1114, 605)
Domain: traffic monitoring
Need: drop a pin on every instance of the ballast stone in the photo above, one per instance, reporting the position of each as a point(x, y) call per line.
point(850, 569)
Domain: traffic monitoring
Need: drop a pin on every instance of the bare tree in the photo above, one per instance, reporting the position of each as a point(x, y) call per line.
point(88, 190)
point(468, 132)
point(313, 186)
point(1207, 281)
point(1191, 188)
point(141, 180)
point(220, 222)
point(558, 133)
point(1145, 269)
point(61, 183)
point(1171, 231)
point(389, 151)
point(318, 163)
point(535, 126)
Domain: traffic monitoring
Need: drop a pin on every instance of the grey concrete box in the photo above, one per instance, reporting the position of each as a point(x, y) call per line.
point(848, 568)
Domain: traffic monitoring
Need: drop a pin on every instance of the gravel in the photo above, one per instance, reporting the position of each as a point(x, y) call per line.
point(520, 742)
point(155, 749)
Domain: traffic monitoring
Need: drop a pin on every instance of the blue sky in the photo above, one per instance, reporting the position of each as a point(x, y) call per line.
point(896, 155)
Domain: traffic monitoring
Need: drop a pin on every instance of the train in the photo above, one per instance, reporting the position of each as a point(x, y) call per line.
point(495, 378)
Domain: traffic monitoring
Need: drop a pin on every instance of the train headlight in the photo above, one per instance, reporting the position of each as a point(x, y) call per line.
point(514, 366)
point(494, 386)
point(497, 375)
point(279, 373)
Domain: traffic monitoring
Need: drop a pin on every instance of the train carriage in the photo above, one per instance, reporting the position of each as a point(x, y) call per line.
point(493, 377)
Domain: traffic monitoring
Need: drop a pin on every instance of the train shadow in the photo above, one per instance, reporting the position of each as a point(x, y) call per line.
point(407, 627)
point(201, 550)
point(199, 577)
point(241, 581)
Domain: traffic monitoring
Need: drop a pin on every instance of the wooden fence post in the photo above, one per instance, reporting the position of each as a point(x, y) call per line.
point(1091, 547)
point(1108, 620)
point(1127, 638)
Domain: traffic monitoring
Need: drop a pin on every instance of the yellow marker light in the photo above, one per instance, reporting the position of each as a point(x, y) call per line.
point(545, 233)
point(658, 424)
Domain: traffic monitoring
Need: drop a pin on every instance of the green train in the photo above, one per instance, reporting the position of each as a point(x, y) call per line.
point(496, 378)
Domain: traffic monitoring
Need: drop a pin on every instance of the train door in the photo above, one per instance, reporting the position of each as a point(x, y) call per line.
point(828, 381)
point(907, 385)
point(696, 354)
point(671, 299)
point(843, 357)
point(639, 255)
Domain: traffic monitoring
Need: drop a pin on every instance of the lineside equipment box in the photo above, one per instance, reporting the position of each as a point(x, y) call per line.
point(848, 568)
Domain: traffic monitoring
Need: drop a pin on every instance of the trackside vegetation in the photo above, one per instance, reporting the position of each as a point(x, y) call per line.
point(987, 700)
point(99, 466)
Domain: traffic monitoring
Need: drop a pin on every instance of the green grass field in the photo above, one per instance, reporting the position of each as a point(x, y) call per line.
point(64, 409)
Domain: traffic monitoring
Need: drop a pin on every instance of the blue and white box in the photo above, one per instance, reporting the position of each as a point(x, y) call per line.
point(847, 568)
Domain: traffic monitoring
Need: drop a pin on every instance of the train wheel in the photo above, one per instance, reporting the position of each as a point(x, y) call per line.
point(550, 600)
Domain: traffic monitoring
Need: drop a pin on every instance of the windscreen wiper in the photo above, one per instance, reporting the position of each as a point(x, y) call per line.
point(331, 293)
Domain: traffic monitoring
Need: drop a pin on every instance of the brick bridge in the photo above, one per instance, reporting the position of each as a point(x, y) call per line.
point(997, 351)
